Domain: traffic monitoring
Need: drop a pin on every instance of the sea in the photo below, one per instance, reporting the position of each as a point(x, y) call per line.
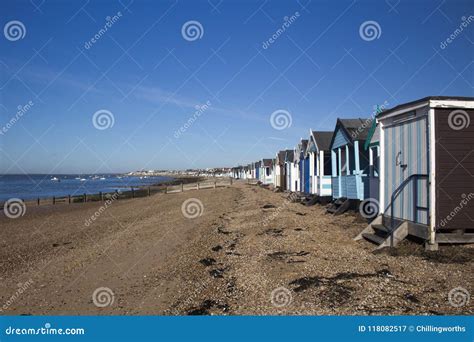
point(28, 187)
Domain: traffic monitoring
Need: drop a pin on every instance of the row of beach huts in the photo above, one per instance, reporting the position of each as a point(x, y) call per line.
point(409, 170)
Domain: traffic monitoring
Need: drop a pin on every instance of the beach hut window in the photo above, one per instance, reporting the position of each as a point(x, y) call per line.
point(327, 163)
point(375, 162)
point(344, 168)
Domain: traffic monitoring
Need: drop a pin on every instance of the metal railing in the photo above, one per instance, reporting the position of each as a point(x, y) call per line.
point(416, 207)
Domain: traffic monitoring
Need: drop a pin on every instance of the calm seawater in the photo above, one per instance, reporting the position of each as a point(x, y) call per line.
point(43, 186)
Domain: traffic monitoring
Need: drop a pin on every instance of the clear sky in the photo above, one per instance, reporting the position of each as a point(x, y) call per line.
point(150, 74)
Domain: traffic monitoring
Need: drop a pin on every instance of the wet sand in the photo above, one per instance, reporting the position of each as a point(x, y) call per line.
point(250, 252)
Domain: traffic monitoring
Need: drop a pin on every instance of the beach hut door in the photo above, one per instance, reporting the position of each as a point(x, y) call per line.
point(407, 157)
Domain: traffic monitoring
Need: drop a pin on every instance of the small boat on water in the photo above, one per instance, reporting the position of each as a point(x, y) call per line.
point(83, 179)
point(55, 179)
point(102, 178)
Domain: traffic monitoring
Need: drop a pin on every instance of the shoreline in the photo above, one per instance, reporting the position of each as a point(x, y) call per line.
point(132, 192)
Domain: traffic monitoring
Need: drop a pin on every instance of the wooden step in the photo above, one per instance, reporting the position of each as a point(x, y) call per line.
point(381, 228)
point(387, 222)
point(343, 207)
point(374, 238)
point(312, 201)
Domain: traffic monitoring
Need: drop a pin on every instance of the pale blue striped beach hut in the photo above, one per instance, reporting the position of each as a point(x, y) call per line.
point(426, 172)
point(350, 162)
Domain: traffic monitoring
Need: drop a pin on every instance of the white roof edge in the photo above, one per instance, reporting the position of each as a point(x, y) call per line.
point(433, 104)
point(451, 104)
point(404, 110)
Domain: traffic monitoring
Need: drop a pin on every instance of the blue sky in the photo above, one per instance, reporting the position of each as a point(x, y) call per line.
point(150, 78)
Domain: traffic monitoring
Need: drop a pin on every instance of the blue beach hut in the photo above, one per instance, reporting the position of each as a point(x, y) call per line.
point(350, 162)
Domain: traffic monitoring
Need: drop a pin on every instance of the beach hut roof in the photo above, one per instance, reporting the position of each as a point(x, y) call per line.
point(420, 101)
point(322, 139)
point(267, 162)
point(280, 158)
point(358, 128)
point(301, 149)
point(304, 143)
point(290, 155)
point(353, 129)
point(373, 136)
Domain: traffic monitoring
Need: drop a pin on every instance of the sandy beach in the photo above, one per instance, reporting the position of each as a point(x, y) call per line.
point(249, 252)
